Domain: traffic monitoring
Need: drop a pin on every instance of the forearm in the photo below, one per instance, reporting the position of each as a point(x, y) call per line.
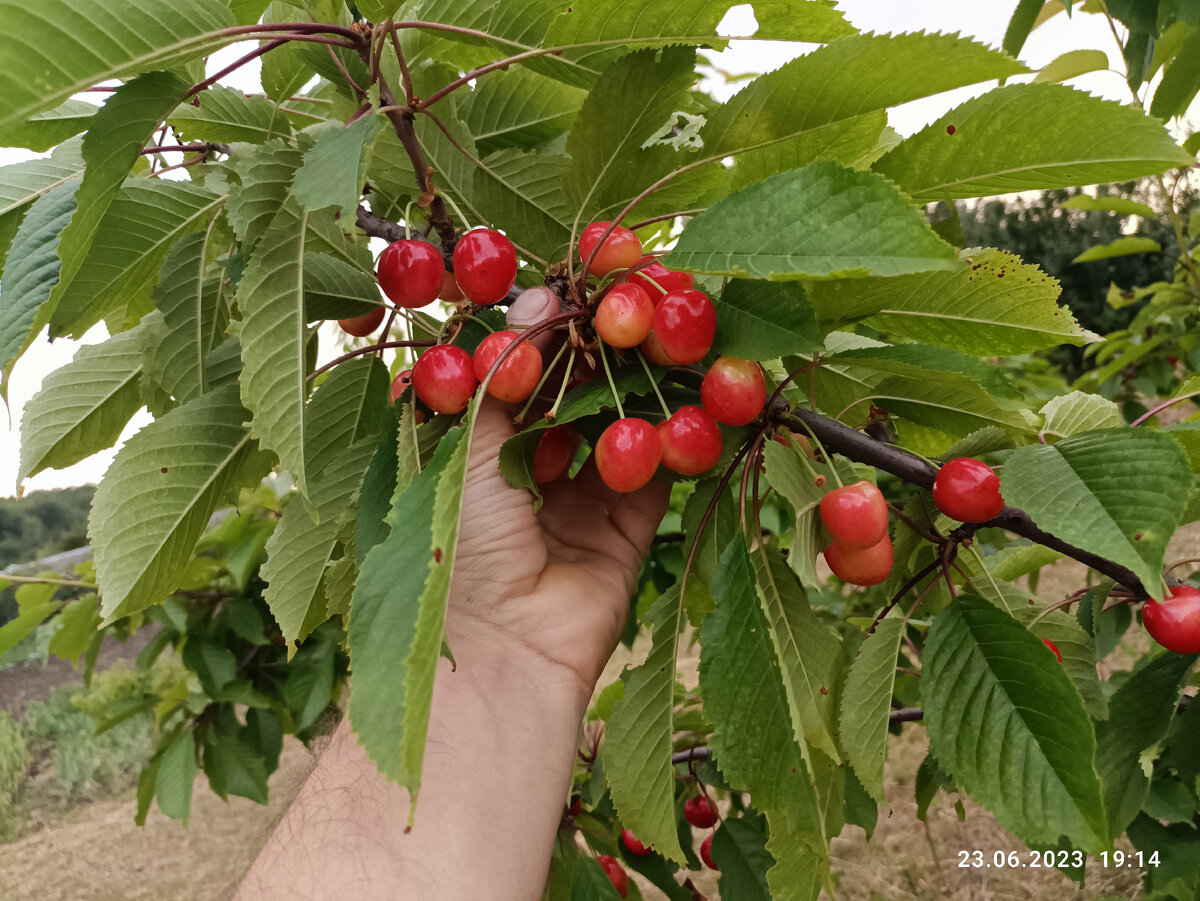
point(498, 762)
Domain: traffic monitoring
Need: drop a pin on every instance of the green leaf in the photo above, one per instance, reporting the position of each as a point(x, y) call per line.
point(83, 406)
point(998, 305)
point(32, 273)
point(1072, 64)
point(524, 191)
point(336, 290)
point(629, 103)
point(284, 74)
point(23, 183)
point(1140, 712)
point(768, 123)
point(380, 486)
point(212, 661)
point(303, 545)
point(113, 143)
point(1180, 81)
point(351, 404)
point(240, 770)
point(721, 527)
point(1121, 247)
point(590, 883)
point(1114, 492)
point(808, 653)
point(51, 128)
point(1002, 143)
point(1023, 21)
point(176, 774)
point(274, 339)
point(867, 700)
point(739, 850)
point(822, 221)
point(114, 39)
point(519, 108)
point(949, 402)
point(260, 183)
point(335, 167)
point(377, 10)
point(753, 739)
point(757, 321)
point(1010, 727)
point(384, 617)
point(122, 265)
point(75, 629)
point(226, 115)
point(1109, 202)
point(637, 743)
point(157, 496)
point(29, 616)
point(194, 317)
point(1071, 414)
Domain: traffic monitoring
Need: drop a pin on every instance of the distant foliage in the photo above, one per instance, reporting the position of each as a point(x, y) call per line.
point(14, 759)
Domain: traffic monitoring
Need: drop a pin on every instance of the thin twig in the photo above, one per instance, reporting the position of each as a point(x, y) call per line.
point(383, 345)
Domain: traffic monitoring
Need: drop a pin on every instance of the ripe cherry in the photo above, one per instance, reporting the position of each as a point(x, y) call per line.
point(451, 292)
point(657, 279)
point(691, 441)
point(444, 378)
point(517, 376)
point(685, 323)
point(861, 566)
point(633, 845)
point(699, 812)
point(410, 273)
point(361, 326)
point(734, 390)
point(624, 316)
point(1174, 622)
point(576, 806)
point(553, 454)
point(968, 490)
point(652, 350)
point(706, 853)
point(616, 874)
point(856, 515)
point(620, 250)
point(1053, 647)
point(485, 265)
point(627, 454)
point(400, 383)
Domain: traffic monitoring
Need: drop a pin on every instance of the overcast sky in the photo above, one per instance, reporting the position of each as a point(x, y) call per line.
point(982, 19)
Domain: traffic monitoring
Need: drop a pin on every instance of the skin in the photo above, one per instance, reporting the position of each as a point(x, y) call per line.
point(536, 607)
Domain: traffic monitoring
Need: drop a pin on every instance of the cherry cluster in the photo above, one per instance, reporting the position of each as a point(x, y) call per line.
point(699, 812)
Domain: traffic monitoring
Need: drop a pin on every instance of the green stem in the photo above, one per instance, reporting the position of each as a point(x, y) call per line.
point(407, 211)
point(611, 384)
point(653, 384)
point(454, 206)
point(49, 581)
point(552, 413)
point(821, 449)
point(520, 417)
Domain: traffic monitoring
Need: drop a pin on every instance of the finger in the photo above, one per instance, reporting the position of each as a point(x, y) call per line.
point(531, 307)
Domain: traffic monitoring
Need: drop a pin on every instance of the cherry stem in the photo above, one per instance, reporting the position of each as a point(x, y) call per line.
point(520, 417)
point(546, 324)
point(608, 374)
point(904, 589)
point(254, 54)
point(751, 463)
point(552, 413)
point(824, 453)
point(928, 535)
point(1156, 410)
point(383, 345)
point(405, 76)
point(664, 218)
point(653, 384)
point(341, 67)
point(407, 210)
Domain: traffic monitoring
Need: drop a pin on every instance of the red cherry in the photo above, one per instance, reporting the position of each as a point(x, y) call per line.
point(691, 441)
point(410, 273)
point(861, 566)
point(1052, 646)
point(657, 279)
point(968, 490)
point(1174, 622)
point(553, 454)
point(652, 350)
point(856, 515)
point(616, 874)
point(450, 292)
point(734, 390)
point(361, 326)
point(400, 383)
point(517, 376)
point(444, 378)
point(485, 265)
point(624, 316)
point(633, 845)
point(627, 454)
point(699, 812)
point(706, 853)
point(685, 323)
point(620, 250)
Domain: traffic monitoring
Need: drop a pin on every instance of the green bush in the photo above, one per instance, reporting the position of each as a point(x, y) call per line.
point(14, 759)
point(64, 728)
